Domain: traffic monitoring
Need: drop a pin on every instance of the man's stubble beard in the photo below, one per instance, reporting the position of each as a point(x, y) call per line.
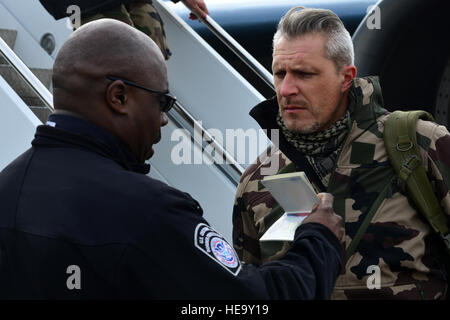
point(292, 125)
point(311, 128)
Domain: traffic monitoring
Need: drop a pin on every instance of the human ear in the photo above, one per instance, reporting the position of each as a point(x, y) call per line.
point(116, 96)
point(348, 74)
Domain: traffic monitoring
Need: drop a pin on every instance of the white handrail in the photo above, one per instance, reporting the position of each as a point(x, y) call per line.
point(236, 48)
point(26, 74)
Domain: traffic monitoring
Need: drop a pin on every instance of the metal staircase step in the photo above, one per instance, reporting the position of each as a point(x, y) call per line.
point(21, 87)
point(41, 112)
point(9, 36)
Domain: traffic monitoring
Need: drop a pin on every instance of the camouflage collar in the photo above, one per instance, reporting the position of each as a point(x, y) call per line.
point(366, 100)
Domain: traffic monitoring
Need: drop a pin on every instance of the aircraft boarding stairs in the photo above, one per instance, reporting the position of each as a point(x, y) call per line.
point(214, 100)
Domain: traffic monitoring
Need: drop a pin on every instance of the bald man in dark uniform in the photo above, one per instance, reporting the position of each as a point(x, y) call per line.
point(79, 217)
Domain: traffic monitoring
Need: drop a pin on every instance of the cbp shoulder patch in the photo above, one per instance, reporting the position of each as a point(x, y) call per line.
point(217, 248)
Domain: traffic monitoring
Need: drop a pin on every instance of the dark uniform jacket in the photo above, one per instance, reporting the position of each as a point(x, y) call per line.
point(79, 218)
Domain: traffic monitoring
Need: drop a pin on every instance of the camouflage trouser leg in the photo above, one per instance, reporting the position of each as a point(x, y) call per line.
point(147, 19)
point(141, 15)
point(119, 13)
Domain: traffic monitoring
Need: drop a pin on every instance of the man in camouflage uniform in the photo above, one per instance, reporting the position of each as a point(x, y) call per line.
point(138, 13)
point(331, 127)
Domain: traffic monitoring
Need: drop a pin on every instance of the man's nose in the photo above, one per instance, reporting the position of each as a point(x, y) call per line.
point(288, 86)
point(164, 119)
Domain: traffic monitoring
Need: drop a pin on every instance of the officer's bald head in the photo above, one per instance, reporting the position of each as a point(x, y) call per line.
point(98, 49)
point(106, 48)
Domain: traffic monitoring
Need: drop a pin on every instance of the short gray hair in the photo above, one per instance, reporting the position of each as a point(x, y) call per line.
point(339, 45)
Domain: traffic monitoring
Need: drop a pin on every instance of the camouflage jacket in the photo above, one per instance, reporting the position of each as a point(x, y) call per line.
point(398, 240)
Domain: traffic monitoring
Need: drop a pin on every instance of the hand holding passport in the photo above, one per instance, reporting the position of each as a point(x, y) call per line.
point(295, 194)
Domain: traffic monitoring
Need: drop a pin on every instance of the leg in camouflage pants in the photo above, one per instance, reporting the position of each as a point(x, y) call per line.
point(141, 15)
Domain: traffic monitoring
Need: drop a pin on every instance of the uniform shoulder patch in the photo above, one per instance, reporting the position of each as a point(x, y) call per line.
point(214, 245)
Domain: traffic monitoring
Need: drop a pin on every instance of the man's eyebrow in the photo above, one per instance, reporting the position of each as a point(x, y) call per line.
point(303, 68)
point(299, 68)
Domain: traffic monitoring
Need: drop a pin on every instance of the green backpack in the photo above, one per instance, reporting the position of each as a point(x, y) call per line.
point(401, 145)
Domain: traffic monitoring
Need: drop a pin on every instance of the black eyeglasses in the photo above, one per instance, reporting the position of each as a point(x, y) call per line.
point(165, 104)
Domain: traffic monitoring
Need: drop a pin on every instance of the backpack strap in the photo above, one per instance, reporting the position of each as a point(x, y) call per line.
point(401, 146)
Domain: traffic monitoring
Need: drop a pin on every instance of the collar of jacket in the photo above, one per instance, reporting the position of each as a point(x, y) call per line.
point(365, 105)
point(78, 133)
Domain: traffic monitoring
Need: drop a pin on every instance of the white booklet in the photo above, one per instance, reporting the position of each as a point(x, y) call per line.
point(295, 194)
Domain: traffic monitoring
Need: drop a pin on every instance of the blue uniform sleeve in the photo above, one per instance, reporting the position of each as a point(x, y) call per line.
point(307, 271)
point(179, 256)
